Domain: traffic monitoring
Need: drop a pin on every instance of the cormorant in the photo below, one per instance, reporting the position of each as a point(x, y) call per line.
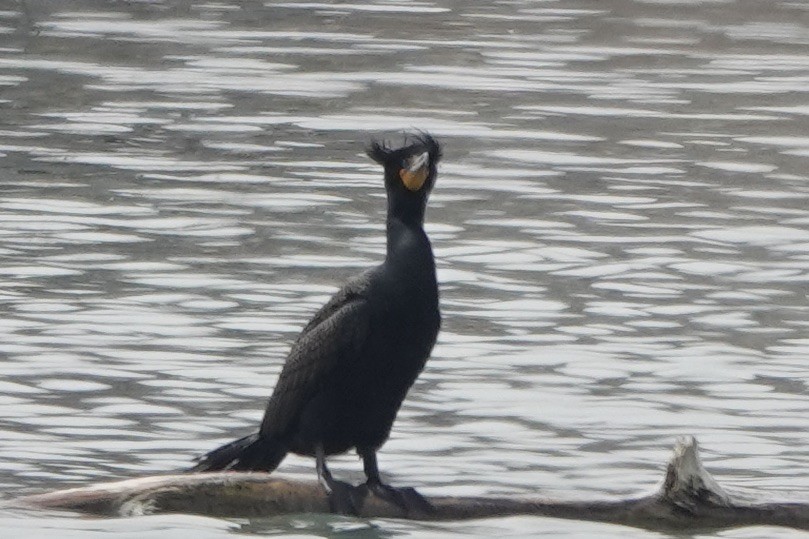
point(350, 368)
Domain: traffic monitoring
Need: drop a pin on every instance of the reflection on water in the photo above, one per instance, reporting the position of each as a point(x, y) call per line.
point(620, 227)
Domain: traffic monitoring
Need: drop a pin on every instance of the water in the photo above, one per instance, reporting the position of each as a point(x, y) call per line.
point(620, 225)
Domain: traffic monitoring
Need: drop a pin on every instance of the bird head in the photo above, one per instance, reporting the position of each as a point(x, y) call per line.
point(410, 169)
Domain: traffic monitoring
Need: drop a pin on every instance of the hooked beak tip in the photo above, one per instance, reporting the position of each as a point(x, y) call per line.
point(418, 162)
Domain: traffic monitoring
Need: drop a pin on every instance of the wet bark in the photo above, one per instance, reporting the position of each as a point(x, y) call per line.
point(689, 499)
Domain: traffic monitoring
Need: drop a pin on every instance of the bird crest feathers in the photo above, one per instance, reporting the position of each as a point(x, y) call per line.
point(383, 152)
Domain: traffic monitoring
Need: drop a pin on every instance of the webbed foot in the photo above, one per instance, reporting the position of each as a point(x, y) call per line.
point(343, 498)
point(406, 498)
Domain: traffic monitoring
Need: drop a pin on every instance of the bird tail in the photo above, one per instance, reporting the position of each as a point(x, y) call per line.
point(251, 453)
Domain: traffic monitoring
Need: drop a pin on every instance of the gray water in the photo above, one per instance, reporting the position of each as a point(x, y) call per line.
point(620, 227)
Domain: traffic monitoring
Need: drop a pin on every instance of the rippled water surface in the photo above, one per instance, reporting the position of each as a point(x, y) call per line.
point(620, 224)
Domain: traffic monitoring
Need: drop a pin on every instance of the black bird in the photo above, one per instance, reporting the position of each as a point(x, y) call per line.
point(350, 368)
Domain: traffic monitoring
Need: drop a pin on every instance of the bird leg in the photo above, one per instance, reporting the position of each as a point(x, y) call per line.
point(339, 492)
point(406, 498)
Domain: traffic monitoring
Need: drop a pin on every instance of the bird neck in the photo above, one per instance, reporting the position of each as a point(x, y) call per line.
point(408, 246)
point(405, 209)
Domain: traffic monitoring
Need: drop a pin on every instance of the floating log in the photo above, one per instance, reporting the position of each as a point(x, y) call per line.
point(689, 499)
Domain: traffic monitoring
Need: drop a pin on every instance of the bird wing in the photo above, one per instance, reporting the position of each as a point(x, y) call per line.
point(334, 337)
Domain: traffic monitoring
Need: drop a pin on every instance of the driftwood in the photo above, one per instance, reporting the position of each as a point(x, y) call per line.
point(689, 499)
